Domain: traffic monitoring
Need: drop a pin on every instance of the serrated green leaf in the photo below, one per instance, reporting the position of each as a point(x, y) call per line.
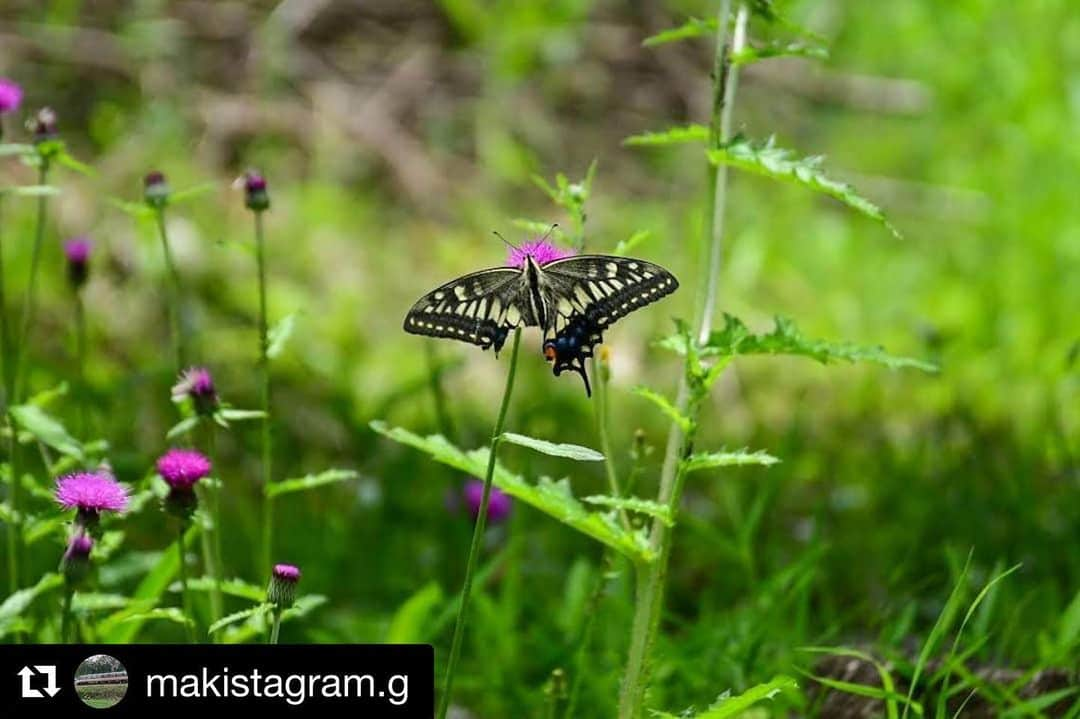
point(735, 706)
point(64, 159)
point(231, 587)
point(693, 27)
point(671, 136)
point(569, 451)
point(18, 602)
point(240, 415)
point(553, 498)
point(256, 624)
point(633, 504)
point(279, 335)
point(735, 338)
point(85, 602)
point(741, 458)
point(238, 617)
point(781, 164)
point(311, 481)
point(409, 623)
point(665, 406)
point(47, 429)
point(169, 614)
point(750, 54)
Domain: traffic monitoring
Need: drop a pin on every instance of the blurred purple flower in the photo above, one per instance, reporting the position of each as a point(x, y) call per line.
point(77, 252)
point(10, 95)
point(75, 563)
point(91, 493)
point(256, 196)
point(540, 250)
point(43, 125)
point(79, 547)
point(499, 502)
point(182, 468)
point(197, 384)
point(155, 189)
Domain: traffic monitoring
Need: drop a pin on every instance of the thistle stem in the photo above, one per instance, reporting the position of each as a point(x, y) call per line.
point(65, 615)
point(651, 578)
point(217, 567)
point(5, 357)
point(174, 292)
point(275, 628)
point(264, 370)
point(600, 370)
point(80, 360)
point(478, 533)
point(185, 599)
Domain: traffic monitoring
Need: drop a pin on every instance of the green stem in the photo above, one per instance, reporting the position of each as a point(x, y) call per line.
point(438, 395)
point(600, 371)
point(218, 567)
point(80, 359)
point(264, 369)
point(185, 598)
point(175, 327)
point(65, 616)
point(5, 356)
point(478, 533)
point(651, 578)
point(275, 628)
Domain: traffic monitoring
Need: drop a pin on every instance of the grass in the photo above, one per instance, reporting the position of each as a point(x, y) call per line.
point(901, 497)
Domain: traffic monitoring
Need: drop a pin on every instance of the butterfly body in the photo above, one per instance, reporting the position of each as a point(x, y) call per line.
point(572, 300)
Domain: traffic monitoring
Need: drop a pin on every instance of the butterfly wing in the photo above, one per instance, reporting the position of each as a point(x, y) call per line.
point(480, 308)
point(589, 293)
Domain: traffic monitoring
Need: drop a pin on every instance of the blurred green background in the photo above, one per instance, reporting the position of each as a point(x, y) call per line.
point(396, 135)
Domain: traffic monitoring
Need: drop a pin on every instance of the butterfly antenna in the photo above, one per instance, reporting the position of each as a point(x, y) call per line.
point(508, 243)
point(548, 233)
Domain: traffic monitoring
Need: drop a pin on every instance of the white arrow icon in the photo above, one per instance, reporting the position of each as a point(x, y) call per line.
point(49, 671)
point(28, 692)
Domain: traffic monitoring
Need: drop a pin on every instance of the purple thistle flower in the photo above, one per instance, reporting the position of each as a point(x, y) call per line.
point(75, 563)
point(182, 468)
point(499, 503)
point(77, 252)
point(91, 493)
point(10, 95)
point(79, 547)
point(197, 384)
point(541, 251)
point(255, 195)
point(283, 581)
point(156, 189)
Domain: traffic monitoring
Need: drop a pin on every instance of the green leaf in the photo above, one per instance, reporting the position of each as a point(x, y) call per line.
point(664, 405)
point(693, 27)
point(409, 623)
point(47, 429)
point(279, 335)
point(66, 160)
point(8, 149)
point(624, 247)
point(310, 481)
point(169, 614)
point(786, 339)
point(570, 451)
point(231, 587)
point(93, 601)
point(38, 528)
point(147, 593)
point(735, 706)
point(30, 191)
point(552, 498)
point(18, 602)
point(749, 54)
point(741, 458)
point(633, 504)
point(138, 210)
point(887, 682)
point(240, 415)
point(777, 163)
point(190, 193)
point(671, 136)
point(183, 427)
point(240, 616)
point(866, 690)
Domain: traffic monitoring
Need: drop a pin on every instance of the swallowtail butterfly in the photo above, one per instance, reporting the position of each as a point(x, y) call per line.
point(572, 299)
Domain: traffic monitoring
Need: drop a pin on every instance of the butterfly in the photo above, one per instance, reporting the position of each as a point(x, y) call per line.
point(571, 299)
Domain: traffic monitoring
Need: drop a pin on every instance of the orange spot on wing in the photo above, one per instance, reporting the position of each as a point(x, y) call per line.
point(549, 353)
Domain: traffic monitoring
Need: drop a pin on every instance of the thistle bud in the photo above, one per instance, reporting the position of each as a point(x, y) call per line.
point(43, 126)
point(282, 589)
point(197, 384)
point(76, 562)
point(77, 252)
point(256, 197)
point(156, 190)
